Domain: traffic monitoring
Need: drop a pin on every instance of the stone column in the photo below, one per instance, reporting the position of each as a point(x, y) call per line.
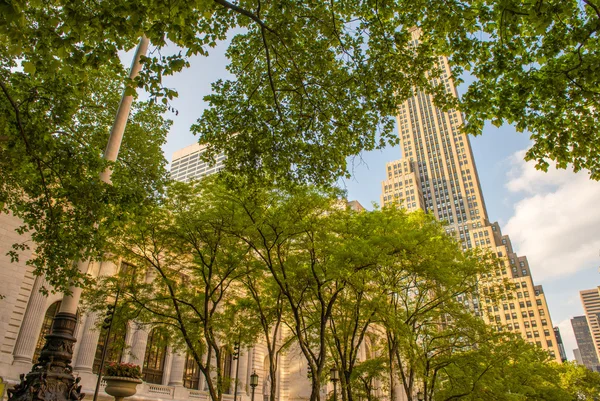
point(177, 368)
point(89, 343)
point(32, 323)
point(138, 344)
point(139, 335)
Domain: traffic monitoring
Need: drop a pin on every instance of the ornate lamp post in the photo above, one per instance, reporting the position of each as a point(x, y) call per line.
point(334, 377)
point(253, 383)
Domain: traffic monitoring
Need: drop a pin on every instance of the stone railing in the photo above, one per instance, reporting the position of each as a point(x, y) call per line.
point(159, 390)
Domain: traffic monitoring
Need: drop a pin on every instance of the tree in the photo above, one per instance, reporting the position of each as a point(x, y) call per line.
point(315, 84)
point(580, 382)
point(54, 130)
point(536, 69)
point(195, 270)
point(425, 318)
point(265, 300)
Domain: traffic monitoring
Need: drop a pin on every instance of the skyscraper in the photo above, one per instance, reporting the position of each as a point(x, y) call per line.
point(591, 304)
point(187, 165)
point(585, 343)
point(437, 173)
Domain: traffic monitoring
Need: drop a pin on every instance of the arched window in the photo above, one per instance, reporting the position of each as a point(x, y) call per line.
point(154, 359)
point(266, 388)
point(51, 312)
point(191, 374)
point(116, 345)
point(227, 370)
point(46, 328)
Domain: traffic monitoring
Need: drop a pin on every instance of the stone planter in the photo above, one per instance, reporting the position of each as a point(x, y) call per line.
point(121, 387)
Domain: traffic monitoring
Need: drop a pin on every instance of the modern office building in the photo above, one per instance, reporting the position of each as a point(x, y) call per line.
point(187, 163)
point(586, 354)
point(437, 173)
point(561, 346)
point(591, 305)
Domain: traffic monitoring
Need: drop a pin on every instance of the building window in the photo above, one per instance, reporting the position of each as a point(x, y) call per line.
point(115, 345)
point(228, 370)
point(191, 374)
point(46, 328)
point(154, 359)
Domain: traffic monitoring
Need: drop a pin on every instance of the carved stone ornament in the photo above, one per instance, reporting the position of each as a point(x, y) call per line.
point(51, 378)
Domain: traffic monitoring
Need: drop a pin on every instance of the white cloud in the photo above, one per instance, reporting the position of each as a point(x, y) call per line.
point(557, 222)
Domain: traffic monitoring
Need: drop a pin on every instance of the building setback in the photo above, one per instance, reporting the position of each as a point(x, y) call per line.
point(561, 346)
point(437, 174)
point(586, 354)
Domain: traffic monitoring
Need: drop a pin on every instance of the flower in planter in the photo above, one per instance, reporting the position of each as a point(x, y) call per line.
point(123, 370)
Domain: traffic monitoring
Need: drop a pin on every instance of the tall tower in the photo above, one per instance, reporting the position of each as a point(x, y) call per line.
point(437, 173)
point(585, 342)
point(591, 304)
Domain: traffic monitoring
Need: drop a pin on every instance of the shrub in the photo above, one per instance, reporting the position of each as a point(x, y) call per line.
point(123, 370)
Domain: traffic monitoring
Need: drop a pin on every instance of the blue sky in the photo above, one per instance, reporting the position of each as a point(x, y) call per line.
point(551, 218)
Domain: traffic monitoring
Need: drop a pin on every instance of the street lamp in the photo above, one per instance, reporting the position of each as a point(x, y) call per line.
point(420, 396)
point(253, 382)
point(334, 377)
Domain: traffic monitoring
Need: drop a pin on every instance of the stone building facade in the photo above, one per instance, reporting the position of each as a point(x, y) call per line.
point(26, 316)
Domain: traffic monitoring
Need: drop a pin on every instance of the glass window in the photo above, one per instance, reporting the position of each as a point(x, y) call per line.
point(191, 374)
point(154, 359)
point(115, 344)
point(46, 328)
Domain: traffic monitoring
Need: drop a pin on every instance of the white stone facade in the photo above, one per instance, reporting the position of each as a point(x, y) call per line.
point(23, 309)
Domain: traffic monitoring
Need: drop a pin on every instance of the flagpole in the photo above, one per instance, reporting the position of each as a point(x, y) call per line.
point(51, 377)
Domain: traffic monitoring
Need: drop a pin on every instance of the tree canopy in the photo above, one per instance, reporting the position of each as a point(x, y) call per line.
point(380, 295)
point(315, 83)
point(54, 131)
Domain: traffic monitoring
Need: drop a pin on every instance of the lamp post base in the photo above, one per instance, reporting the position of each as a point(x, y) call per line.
point(51, 378)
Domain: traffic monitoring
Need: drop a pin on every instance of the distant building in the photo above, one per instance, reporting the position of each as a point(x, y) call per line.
point(187, 163)
point(591, 305)
point(586, 350)
point(577, 356)
point(561, 346)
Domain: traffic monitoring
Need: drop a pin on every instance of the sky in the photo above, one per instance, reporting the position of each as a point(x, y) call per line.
point(552, 218)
